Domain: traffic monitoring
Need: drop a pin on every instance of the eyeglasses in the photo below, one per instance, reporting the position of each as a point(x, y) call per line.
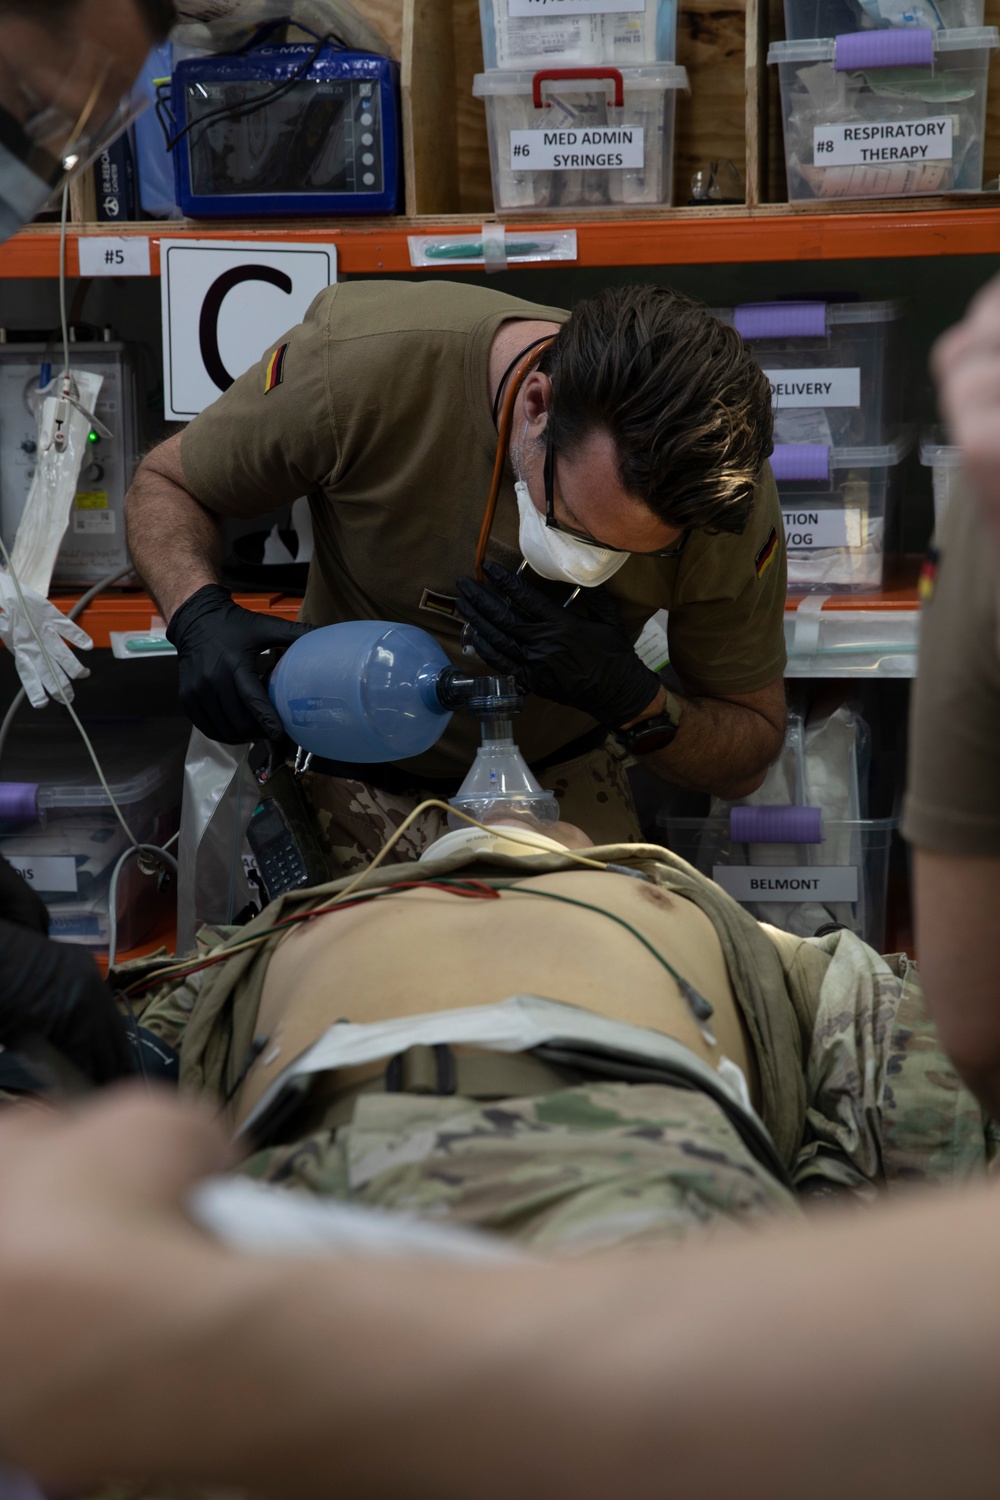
point(582, 536)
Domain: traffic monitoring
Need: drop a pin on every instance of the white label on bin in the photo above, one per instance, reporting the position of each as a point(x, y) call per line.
point(815, 387)
point(50, 873)
point(880, 142)
point(608, 146)
point(805, 529)
point(573, 7)
point(788, 882)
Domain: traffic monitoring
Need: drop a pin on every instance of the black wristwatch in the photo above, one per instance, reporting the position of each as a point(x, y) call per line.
point(648, 735)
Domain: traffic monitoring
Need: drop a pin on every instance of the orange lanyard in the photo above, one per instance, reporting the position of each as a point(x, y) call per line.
point(503, 444)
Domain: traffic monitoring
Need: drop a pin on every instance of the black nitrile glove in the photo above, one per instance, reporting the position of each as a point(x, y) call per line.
point(580, 656)
point(218, 644)
point(54, 991)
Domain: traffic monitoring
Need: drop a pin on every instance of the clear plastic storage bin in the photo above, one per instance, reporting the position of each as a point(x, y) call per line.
point(812, 18)
point(595, 139)
point(884, 114)
point(945, 463)
point(792, 867)
point(834, 367)
point(69, 851)
point(835, 503)
point(538, 33)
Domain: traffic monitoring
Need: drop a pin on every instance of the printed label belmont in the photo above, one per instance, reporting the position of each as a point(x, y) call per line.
point(788, 882)
point(588, 146)
point(889, 141)
point(815, 387)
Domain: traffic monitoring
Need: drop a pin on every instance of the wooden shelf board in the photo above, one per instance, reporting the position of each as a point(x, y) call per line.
point(678, 236)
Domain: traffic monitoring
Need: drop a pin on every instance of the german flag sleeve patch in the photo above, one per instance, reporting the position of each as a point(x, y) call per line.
point(275, 369)
point(765, 557)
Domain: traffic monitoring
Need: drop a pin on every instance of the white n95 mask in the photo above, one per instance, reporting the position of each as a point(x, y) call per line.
point(561, 558)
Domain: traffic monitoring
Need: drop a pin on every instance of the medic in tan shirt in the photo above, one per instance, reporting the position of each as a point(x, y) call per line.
point(530, 483)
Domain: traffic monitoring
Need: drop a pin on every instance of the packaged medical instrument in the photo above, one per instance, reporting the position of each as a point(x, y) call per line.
point(561, 33)
point(945, 464)
point(69, 850)
point(287, 130)
point(597, 138)
point(801, 853)
point(835, 503)
point(884, 114)
point(815, 18)
point(835, 367)
point(94, 542)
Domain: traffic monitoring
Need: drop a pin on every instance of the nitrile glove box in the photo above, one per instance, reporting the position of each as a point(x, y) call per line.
point(61, 832)
point(835, 504)
point(791, 866)
point(884, 114)
point(835, 367)
point(564, 33)
point(586, 138)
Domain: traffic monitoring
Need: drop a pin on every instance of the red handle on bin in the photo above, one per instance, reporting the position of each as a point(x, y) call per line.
point(549, 75)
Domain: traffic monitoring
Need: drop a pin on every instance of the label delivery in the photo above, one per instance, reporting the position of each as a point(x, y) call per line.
point(875, 143)
point(588, 146)
point(815, 387)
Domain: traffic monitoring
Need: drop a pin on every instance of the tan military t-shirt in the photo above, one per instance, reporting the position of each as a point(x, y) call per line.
point(953, 792)
point(377, 407)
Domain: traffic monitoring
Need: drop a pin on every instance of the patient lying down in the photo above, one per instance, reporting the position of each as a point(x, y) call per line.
point(840, 1086)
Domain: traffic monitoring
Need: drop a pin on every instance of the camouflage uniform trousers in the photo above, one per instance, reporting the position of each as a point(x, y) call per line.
point(355, 819)
point(577, 1170)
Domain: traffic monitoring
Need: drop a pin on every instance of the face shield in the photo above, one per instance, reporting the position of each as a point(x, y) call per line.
point(59, 109)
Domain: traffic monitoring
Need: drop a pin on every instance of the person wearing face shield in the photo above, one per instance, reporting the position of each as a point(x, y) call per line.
point(67, 69)
point(528, 484)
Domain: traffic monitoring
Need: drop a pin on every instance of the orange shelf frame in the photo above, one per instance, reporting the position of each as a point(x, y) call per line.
point(136, 611)
point(682, 236)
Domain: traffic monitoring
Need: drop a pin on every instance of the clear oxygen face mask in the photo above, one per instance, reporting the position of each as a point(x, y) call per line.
point(500, 785)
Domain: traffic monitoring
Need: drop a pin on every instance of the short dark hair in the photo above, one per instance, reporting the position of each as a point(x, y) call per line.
point(160, 15)
point(687, 407)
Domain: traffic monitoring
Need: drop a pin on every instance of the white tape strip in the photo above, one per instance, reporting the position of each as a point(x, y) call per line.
point(494, 248)
point(805, 639)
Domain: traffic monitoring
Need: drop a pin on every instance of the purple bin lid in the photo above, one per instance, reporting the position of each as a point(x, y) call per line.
point(780, 320)
point(776, 825)
point(896, 47)
point(800, 461)
point(18, 802)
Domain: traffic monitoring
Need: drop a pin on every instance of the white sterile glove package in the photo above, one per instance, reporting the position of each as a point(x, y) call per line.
point(64, 424)
point(40, 680)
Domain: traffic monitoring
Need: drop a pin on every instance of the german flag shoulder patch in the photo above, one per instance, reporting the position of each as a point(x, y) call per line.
point(275, 369)
point(928, 576)
point(765, 557)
